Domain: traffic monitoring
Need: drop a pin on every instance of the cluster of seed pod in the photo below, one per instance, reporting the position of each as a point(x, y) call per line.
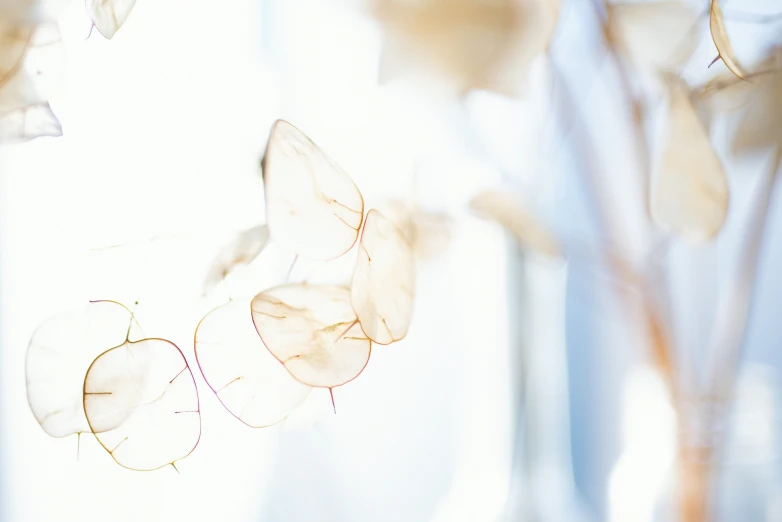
point(321, 334)
point(94, 371)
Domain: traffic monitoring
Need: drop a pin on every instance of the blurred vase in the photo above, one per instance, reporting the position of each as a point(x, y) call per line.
point(726, 468)
point(542, 485)
point(747, 485)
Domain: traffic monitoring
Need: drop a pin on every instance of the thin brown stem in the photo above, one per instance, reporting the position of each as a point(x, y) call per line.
point(634, 103)
point(695, 482)
point(607, 219)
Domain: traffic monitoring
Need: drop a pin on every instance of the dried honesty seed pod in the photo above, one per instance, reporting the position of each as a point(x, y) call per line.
point(24, 112)
point(109, 15)
point(243, 250)
point(382, 288)
point(149, 383)
point(657, 35)
point(60, 351)
point(691, 195)
point(313, 331)
point(252, 385)
point(312, 205)
point(508, 212)
point(720, 36)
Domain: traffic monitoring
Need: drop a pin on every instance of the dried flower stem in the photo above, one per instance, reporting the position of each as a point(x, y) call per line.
point(634, 103)
point(607, 219)
point(694, 476)
point(696, 454)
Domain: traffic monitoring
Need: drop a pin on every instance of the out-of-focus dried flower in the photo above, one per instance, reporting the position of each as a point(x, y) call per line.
point(760, 123)
point(690, 196)
point(428, 233)
point(653, 35)
point(242, 250)
point(15, 37)
point(510, 213)
point(757, 102)
point(24, 112)
point(476, 44)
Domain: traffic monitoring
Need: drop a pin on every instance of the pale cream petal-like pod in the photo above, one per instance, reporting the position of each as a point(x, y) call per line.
point(312, 205)
point(313, 331)
point(248, 381)
point(656, 35)
point(59, 353)
point(383, 282)
point(149, 382)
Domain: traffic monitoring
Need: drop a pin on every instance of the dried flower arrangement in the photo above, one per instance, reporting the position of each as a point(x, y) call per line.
point(123, 387)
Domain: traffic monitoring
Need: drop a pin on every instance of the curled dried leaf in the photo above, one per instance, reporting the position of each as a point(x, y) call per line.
point(313, 331)
point(312, 205)
point(510, 213)
point(691, 195)
point(149, 383)
point(249, 382)
point(59, 353)
point(383, 282)
point(109, 15)
point(243, 250)
point(721, 41)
